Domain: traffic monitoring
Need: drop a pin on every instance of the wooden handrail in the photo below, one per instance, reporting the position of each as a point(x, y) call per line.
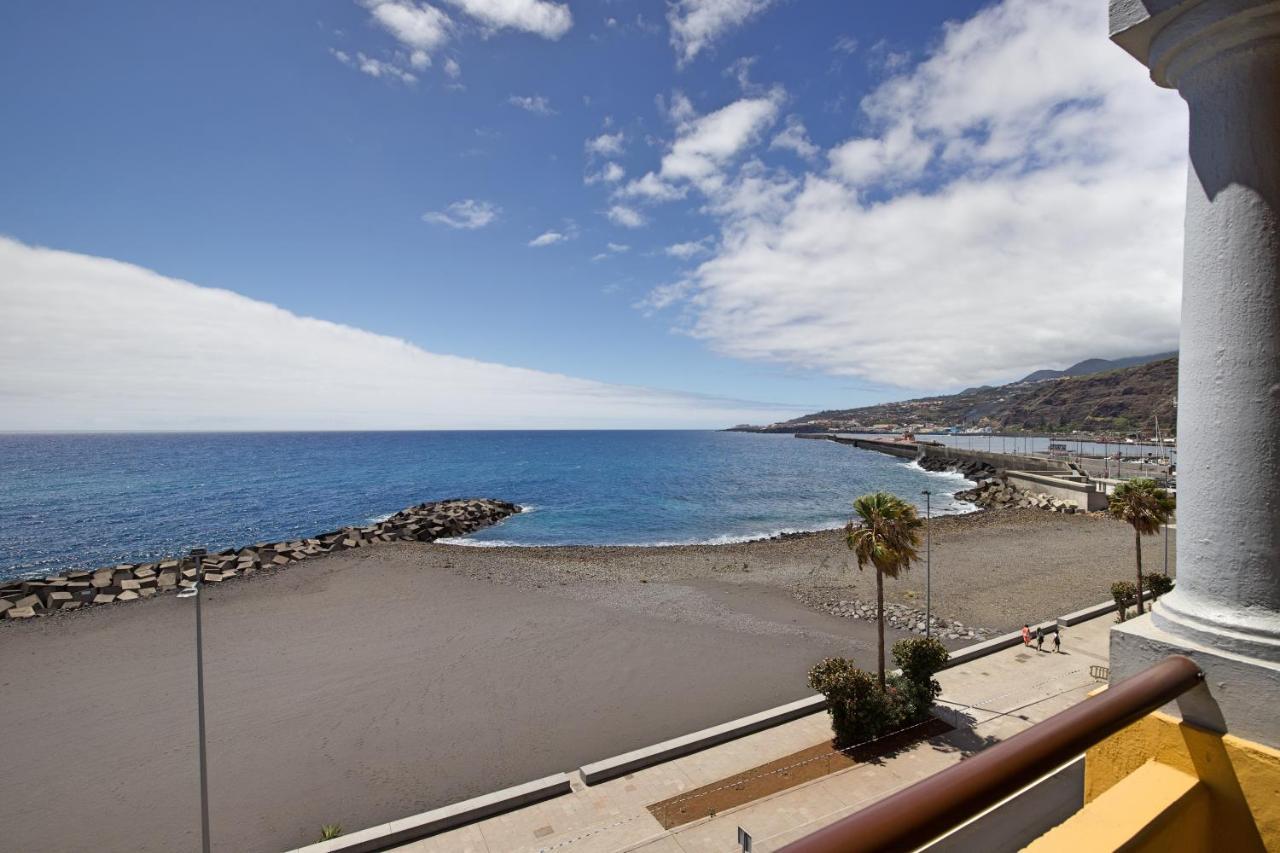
point(931, 807)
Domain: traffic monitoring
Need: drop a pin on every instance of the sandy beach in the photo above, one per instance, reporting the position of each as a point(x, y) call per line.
point(368, 685)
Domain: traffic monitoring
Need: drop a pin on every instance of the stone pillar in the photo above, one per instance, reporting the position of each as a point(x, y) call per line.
point(1223, 57)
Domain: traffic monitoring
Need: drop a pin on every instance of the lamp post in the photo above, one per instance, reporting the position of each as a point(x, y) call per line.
point(197, 554)
point(928, 565)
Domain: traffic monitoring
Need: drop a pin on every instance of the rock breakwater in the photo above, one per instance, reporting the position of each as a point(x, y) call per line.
point(970, 469)
point(25, 599)
point(998, 493)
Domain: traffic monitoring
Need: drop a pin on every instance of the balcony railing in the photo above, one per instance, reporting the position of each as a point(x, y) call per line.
point(917, 815)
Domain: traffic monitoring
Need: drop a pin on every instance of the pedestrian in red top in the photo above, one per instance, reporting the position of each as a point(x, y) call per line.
point(1026, 635)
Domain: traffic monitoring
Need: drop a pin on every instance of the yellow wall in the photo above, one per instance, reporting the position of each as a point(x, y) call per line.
point(1155, 809)
point(1242, 779)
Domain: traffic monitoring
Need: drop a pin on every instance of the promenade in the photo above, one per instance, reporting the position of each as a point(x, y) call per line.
point(989, 699)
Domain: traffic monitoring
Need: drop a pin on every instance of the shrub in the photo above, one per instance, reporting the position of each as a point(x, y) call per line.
point(920, 658)
point(1158, 584)
point(1124, 594)
point(859, 709)
point(330, 831)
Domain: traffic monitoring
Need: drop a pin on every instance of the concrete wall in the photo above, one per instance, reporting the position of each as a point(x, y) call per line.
point(893, 448)
point(1083, 495)
point(1002, 461)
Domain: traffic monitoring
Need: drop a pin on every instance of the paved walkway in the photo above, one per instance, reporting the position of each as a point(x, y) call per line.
point(990, 699)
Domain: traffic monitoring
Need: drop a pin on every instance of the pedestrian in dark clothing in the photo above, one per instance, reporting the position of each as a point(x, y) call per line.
point(1040, 639)
point(1057, 641)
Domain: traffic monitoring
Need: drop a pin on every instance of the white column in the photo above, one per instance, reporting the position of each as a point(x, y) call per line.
point(1223, 57)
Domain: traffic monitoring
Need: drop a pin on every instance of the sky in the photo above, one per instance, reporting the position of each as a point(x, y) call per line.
point(615, 213)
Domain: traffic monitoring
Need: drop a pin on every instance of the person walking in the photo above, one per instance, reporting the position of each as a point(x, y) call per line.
point(1026, 635)
point(1057, 640)
point(1039, 638)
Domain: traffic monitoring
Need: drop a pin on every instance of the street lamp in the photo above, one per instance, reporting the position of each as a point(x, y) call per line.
point(928, 565)
point(197, 554)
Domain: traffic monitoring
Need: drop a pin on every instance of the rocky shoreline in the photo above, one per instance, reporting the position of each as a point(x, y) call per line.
point(899, 616)
point(29, 598)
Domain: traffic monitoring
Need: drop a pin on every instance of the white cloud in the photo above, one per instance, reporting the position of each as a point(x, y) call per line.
point(605, 145)
point(611, 250)
point(417, 26)
point(695, 24)
point(467, 214)
point(705, 146)
point(1016, 203)
point(452, 68)
point(88, 343)
point(691, 249)
point(625, 216)
point(611, 173)
point(373, 67)
point(536, 104)
point(845, 45)
point(548, 238)
point(549, 20)
point(794, 137)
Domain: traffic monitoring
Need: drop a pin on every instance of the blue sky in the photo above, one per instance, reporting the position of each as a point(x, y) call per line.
point(307, 155)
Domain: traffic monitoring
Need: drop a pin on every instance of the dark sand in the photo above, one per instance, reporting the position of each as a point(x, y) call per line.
point(370, 685)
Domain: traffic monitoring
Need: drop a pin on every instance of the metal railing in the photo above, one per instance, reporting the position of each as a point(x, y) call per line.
point(919, 814)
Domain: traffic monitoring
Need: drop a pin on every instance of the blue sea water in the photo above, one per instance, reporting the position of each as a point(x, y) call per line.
point(91, 500)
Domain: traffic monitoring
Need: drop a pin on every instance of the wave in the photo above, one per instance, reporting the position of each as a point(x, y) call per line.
point(722, 539)
point(946, 475)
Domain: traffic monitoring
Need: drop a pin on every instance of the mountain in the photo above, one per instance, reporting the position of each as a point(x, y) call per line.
point(1118, 400)
point(1097, 365)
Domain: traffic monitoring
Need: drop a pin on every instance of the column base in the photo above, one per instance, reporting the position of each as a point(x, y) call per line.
point(1240, 694)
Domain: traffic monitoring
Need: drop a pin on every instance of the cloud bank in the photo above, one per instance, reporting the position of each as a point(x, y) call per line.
point(1015, 202)
point(88, 343)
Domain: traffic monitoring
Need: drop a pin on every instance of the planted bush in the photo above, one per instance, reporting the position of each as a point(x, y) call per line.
point(1123, 593)
point(861, 711)
point(920, 659)
point(1158, 584)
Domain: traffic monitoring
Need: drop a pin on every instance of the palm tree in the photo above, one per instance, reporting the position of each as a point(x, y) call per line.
point(887, 537)
point(1146, 506)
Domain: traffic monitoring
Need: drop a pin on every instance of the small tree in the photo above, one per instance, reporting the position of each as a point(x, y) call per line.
point(887, 537)
point(1158, 584)
point(1141, 502)
point(920, 659)
point(1122, 592)
point(860, 710)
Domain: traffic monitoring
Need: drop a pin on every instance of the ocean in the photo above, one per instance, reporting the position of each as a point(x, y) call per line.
point(88, 500)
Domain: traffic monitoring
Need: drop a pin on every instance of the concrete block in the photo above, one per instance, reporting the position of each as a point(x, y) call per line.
point(399, 832)
point(104, 598)
point(20, 613)
point(127, 595)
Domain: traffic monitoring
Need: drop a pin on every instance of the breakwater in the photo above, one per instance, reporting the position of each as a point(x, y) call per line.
point(25, 599)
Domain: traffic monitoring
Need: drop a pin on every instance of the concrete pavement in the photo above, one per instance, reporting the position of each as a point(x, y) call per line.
point(988, 699)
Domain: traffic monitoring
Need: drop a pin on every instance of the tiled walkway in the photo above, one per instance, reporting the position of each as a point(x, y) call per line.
point(990, 698)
